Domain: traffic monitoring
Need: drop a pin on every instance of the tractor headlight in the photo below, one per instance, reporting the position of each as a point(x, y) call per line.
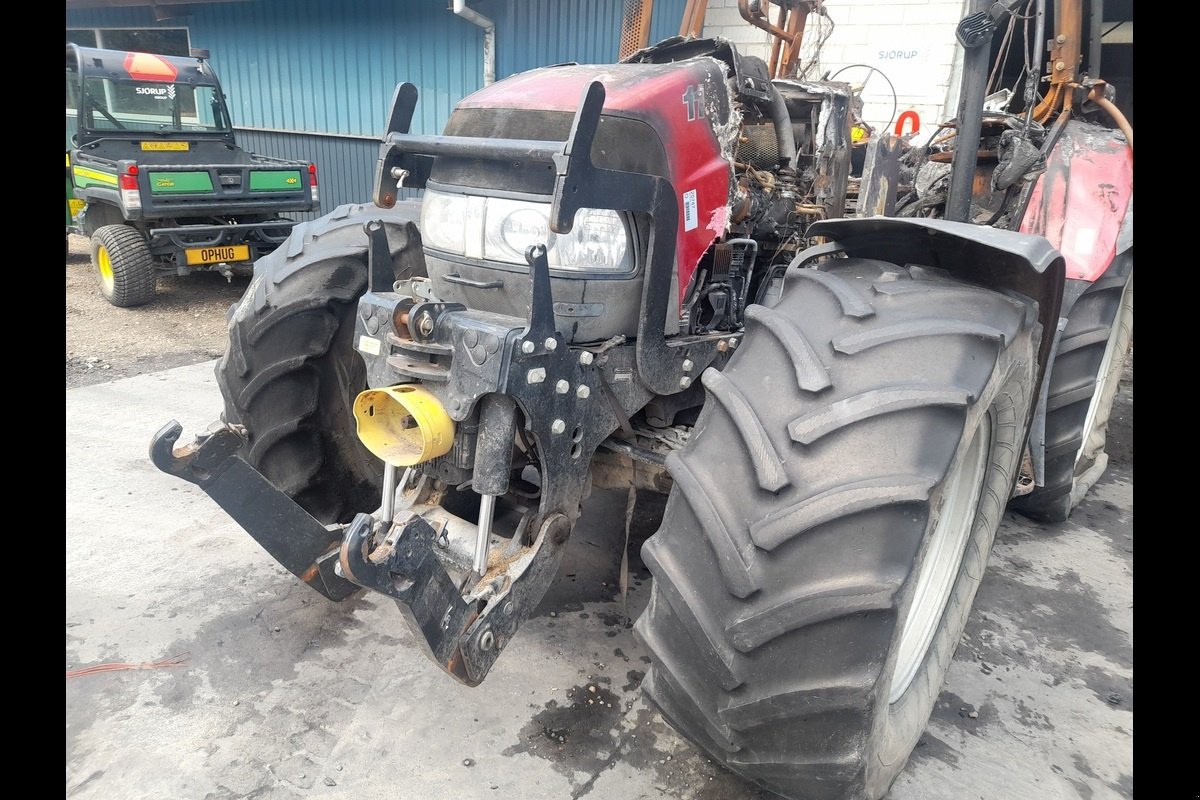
point(498, 229)
point(444, 221)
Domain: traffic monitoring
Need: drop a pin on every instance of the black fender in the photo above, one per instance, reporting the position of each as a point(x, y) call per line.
point(991, 257)
point(99, 211)
point(998, 259)
point(100, 194)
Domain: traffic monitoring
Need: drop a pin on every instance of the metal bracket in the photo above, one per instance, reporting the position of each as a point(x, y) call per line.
point(462, 639)
point(382, 273)
point(285, 530)
point(541, 301)
point(404, 102)
point(405, 568)
point(880, 177)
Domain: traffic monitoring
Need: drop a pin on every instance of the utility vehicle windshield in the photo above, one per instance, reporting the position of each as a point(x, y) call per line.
point(148, 106)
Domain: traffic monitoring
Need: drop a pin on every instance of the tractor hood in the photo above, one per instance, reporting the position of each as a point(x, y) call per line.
point(632, 88)
point(676, 120)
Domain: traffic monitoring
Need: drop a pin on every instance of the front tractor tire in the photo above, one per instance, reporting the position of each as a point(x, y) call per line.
point(290, 371)
point(124, 266)
point(830, 522)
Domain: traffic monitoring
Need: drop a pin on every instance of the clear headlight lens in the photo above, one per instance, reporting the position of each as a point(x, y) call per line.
point(598, 242)
point(512, 225)
point(444, 221)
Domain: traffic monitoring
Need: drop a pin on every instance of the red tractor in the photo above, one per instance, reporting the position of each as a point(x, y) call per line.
point(642, 275)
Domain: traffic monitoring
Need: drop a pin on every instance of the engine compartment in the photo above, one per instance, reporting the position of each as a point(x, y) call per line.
point(775, 198)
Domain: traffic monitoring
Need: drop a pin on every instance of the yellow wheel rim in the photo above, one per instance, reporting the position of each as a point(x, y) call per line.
point(104, 264)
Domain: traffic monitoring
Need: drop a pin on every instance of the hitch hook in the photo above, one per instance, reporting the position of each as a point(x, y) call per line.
point(200, 461)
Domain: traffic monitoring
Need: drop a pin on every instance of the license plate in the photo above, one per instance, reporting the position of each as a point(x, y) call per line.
point(217, 255)
point(159, 146)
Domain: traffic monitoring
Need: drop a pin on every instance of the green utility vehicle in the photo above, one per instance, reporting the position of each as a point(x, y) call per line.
point(164, 186)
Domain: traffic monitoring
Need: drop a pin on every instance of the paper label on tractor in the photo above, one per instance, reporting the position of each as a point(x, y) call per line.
point(691, 216)
point(1085, 241)
point(369, 346)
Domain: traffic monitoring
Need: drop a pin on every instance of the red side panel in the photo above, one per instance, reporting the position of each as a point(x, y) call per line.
point(679, 102)
point(1078, 204)
point(700, 174)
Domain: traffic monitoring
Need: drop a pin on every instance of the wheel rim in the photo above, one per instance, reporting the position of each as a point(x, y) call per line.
point(939, 570)
point(104, 264)
point(1103, 377)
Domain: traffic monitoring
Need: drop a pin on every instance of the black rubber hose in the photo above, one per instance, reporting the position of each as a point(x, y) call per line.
point(783, 128)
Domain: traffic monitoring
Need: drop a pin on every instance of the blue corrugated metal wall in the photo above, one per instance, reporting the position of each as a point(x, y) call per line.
point(535, 33)
point(345, 165)
point(292, 67)
point(314, 65)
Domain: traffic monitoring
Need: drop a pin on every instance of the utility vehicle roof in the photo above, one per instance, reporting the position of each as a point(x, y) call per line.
point(124, 65)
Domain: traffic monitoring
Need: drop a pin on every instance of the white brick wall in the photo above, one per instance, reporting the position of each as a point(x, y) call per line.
point(911, 42)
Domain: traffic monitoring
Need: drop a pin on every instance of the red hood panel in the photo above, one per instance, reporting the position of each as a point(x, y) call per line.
point(687, 103)
point(627, 87)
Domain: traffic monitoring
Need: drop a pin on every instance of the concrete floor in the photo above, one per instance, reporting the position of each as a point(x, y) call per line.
point(284, 695)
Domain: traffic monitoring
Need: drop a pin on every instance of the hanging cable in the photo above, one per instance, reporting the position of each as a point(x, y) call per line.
point(815, 59)
point(1001, 54)
point(1005, 49)
point(1031, 58)
point(1025, 71)
point(1113, 28)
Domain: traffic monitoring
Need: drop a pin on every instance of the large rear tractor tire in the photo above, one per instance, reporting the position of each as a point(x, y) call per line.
point(830, 522)
point(124, 266)
point(1083, 385)
point(290, 371)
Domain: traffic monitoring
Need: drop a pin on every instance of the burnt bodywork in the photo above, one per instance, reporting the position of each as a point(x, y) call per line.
point(1080, 203)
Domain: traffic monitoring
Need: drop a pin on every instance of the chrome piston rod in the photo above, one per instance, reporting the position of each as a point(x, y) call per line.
point(487, 509)
point(493, 457)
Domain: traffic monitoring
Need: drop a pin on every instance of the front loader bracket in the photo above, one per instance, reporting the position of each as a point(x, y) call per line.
point(285, 530)
point(464, 636)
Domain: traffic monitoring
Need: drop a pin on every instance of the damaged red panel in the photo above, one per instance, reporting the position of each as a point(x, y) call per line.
point(1079, 203)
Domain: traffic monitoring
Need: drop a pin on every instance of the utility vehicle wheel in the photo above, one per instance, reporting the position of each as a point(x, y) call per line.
point(290, 371)
point(123, 265)
point(830, 521)
point(1083, 384)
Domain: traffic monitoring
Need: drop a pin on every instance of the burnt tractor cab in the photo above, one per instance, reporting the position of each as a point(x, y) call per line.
point(163, 185)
